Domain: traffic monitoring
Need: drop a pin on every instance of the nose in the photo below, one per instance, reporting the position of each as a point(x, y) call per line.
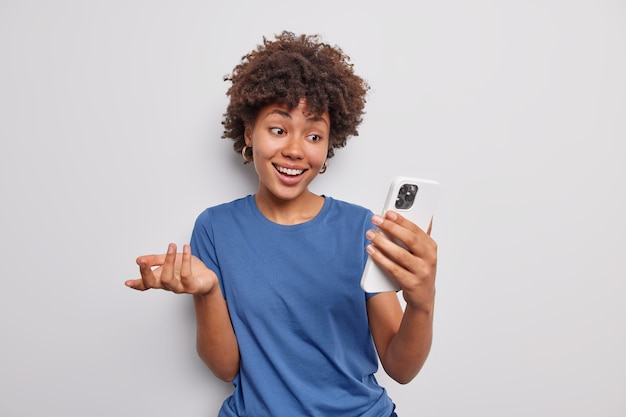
point(293, 148)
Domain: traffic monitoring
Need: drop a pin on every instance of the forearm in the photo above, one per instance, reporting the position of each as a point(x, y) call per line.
point(216, 342)
point(409, 347)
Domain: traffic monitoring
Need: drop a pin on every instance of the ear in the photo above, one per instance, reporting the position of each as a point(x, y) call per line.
point(247, 136)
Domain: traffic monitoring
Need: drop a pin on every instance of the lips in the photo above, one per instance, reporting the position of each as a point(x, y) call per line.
point(292, 172)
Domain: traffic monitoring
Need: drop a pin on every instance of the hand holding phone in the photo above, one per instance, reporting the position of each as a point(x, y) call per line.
point(415, 199)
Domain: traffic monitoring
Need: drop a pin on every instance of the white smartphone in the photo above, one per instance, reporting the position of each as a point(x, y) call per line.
point(415, 199)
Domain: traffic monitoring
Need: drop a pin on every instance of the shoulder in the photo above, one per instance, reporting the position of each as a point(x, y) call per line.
point(221, 220)
point(224, 209)
point(347, 208)
point(342, 214)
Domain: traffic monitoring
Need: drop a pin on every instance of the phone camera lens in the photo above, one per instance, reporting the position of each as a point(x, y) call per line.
point(406, 196)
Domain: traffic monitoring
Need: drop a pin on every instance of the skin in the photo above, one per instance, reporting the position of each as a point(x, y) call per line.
point(289, 149)
point(295, 141)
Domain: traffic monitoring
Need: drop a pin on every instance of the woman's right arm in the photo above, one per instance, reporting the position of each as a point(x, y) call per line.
point(216, 342)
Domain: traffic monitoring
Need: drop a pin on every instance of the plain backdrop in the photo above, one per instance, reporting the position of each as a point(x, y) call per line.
point(110, 125)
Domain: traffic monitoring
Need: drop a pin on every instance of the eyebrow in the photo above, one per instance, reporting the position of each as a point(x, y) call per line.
point(311, 119)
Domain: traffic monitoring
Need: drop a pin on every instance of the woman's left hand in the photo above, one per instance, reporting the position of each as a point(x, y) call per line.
point(415, 267)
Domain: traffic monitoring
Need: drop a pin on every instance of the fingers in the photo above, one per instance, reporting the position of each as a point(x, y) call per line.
point(136, 284)
point(147, 276)
point(414, 266)
point(381, 255)
point(152, 277)
point(172, 271)
point(402, 244)
point(397, 227)
point(185, 269)
point(393, 258)
point(397, 219)
point(167, 277)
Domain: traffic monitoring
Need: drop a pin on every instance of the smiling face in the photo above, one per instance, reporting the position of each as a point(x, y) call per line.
point(289, 148)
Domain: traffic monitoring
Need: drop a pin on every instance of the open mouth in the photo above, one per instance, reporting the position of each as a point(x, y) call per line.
point(289, 171)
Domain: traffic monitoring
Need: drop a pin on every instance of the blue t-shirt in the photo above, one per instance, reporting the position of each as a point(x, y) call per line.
point(297, 309)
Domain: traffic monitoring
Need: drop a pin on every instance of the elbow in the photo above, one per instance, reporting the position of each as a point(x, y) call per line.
point(224, 375)
point(403, 373)
point(222, 371)
point(402, 377)
point(225, 368)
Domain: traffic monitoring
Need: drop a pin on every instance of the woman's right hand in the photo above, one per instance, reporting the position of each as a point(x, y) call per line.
point(176, 272)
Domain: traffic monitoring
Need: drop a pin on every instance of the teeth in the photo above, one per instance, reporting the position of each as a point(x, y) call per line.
point(289, 171)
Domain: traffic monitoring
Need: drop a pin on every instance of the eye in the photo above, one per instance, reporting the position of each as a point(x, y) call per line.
point(277, 131)
point(315, 138)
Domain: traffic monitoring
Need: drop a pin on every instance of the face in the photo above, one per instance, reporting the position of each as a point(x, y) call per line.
point(289, 149)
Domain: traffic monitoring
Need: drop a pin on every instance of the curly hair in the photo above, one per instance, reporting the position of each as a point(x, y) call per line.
point(290, 68)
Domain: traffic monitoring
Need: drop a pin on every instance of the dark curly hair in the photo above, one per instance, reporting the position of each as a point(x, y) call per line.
point(290, 68)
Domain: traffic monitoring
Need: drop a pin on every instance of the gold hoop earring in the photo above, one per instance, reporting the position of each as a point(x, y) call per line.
point(324, 168)
point(247, 156)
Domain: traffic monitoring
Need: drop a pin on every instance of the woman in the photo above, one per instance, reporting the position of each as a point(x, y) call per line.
point(275, 275)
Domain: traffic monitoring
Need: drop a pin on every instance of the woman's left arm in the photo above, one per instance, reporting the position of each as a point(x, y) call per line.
point(403, 338)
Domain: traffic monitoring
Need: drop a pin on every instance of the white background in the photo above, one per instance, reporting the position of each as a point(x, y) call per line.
point(110, 124)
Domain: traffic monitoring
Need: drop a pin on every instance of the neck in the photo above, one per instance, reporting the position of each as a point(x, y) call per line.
point(289, 212)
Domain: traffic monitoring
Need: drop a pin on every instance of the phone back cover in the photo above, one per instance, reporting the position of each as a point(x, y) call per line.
point(374, 278)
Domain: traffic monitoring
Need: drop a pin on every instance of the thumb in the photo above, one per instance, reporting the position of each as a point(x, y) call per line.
point(136, 284)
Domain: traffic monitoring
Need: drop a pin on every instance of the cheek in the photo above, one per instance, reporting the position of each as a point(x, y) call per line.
point(321, 158)
point(316, 155)
point(264, 149)
point(322, 155)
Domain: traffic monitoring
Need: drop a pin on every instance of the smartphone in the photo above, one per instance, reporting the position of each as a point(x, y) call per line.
point(415, 199)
